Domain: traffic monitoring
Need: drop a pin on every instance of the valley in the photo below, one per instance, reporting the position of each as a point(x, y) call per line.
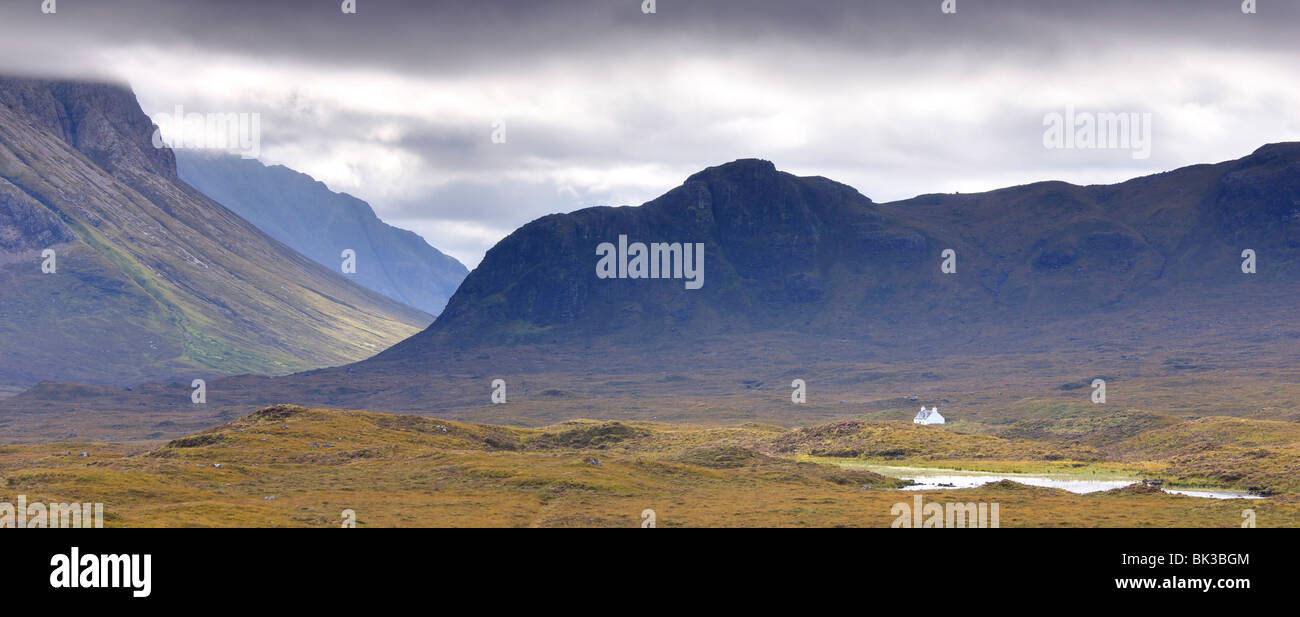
point(154, 280)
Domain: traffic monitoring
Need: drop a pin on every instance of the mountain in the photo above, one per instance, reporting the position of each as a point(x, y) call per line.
point(150, 278)
point(303, 213)
point(806, 278)
point(813, 257)
point(1139, 283)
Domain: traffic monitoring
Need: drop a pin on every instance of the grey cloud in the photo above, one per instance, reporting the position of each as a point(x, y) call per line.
point(505, 205)
point(467, 35)
point(627, 69)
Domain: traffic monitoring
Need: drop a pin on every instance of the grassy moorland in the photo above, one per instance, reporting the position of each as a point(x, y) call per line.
point(292, 466)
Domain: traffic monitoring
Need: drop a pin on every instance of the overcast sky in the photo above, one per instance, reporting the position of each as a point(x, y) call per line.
point(605, 105)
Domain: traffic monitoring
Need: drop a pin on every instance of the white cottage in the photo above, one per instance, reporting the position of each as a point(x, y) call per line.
point(928, 416)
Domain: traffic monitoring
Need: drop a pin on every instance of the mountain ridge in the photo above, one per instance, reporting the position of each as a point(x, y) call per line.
point(796, 252)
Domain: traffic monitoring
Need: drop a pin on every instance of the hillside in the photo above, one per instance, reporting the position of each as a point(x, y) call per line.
point(303, 213)
point(153, 280)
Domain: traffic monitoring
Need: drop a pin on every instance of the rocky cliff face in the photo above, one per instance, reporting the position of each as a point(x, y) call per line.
point(303, 213)
point(26, 225)
point(151, 278)
point(104, 123)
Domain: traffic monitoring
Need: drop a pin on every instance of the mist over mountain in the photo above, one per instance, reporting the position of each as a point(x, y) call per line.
point(148, 278)
point(303, 213)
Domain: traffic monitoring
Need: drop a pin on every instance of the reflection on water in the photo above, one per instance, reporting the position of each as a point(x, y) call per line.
point(970, 481)
point(932, 479)
point(1215, 494)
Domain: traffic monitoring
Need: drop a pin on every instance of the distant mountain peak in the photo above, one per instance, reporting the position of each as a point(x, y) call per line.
point(752, 179)
point(739, 169)
point(1284, 149)
point(320, 223)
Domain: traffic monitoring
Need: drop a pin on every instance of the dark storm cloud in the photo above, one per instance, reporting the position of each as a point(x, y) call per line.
point(466, 35)
point(604, 104)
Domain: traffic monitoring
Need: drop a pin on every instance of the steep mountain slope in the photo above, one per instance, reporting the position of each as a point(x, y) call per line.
point(152, 279)
point(303, 213)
